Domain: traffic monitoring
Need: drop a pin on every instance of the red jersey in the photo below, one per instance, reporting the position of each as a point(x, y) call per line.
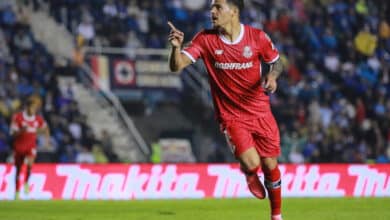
point(28, 138)
point(234, 70)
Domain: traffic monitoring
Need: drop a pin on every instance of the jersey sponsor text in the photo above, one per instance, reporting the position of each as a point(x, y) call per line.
point(233, 66)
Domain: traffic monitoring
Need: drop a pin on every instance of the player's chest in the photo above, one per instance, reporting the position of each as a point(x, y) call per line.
point(239, 53)
point(31, 126)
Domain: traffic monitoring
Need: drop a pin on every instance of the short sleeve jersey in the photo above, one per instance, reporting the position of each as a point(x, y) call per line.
point(234, 70)
point(27, 139)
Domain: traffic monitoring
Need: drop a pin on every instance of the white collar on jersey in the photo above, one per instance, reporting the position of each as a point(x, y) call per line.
point(27, 117)
point(239, 38)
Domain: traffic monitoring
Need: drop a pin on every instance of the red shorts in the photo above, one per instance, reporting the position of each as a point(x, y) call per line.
point(261, 133)
point(20, 155)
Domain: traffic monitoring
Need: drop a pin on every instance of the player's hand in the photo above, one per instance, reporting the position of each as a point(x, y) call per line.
point(23, 128)
point(47, 143)
point(270, 84)
point(176, 37)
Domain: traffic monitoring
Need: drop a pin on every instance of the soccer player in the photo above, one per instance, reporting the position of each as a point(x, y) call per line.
point(24, 128)
point(232, 53)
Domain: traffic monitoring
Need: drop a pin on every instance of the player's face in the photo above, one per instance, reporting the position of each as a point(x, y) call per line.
point(221, 13)
point(34, 107)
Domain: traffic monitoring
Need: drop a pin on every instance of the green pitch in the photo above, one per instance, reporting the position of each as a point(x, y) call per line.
point(223, 209)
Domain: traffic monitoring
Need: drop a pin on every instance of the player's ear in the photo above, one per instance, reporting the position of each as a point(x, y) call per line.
point(235, 10)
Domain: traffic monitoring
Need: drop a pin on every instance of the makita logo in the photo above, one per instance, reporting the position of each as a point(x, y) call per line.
point(178, 181)
point(233, 66)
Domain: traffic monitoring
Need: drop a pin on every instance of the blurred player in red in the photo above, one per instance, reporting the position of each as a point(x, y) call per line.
point(24, 128)
point(232, 53)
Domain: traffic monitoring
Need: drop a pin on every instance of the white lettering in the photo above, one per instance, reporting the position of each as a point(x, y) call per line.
point(186, 186)
point(167, 180)
point(233, 66)
point(7, 179)
point(216, 181)
point(369, 181)
point(230, 182)
point(151, 187)
point(37, 185)
point(80, 183)
point(83, 184)
point(308, 181)
point(134, 183)
point(328, 186)
point(111, 187)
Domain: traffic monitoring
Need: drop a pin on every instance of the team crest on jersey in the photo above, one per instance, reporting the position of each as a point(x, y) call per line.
point(247, 52)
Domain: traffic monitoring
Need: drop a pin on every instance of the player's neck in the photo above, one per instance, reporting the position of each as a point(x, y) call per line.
point(232, 31)
point(29, 112)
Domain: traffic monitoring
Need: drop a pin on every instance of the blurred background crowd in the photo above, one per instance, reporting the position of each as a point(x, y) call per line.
point(26, 68)
point(332, 103)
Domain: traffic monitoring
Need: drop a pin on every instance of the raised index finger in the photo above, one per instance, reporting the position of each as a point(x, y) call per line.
point(171, 26)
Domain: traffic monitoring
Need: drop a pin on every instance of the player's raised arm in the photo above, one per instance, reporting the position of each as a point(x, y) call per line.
point(177, 60)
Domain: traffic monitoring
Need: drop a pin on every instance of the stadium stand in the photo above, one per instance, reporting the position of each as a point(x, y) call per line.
point(27, 68)
point(333, 101)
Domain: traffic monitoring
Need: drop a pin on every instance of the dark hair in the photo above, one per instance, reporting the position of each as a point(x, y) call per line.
point(29, 101)
point(238, 3)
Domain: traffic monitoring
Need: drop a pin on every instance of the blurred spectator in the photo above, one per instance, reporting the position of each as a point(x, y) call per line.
point(27, 68)
point(8, 16)
point(68, 151)
point(22, 41)
point(295, 156)
point(4, 147)
point(85, 156)
point(132, 43)
point(110, 9)
point(332, 62)
point(4, 50)
point(107, 146)
point(75, 129)
point(329, 39)
point(384, 29)
point(78, 56)
point(382, 158)
point(365, 42)
point(86, 30)
point(99, 155)
point(155, 157)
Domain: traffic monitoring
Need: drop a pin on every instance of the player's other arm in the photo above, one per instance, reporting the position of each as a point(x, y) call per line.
point(44, 129)
point(15, 128)
point(276, 69)
point(177, 60)
point(270, 55)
